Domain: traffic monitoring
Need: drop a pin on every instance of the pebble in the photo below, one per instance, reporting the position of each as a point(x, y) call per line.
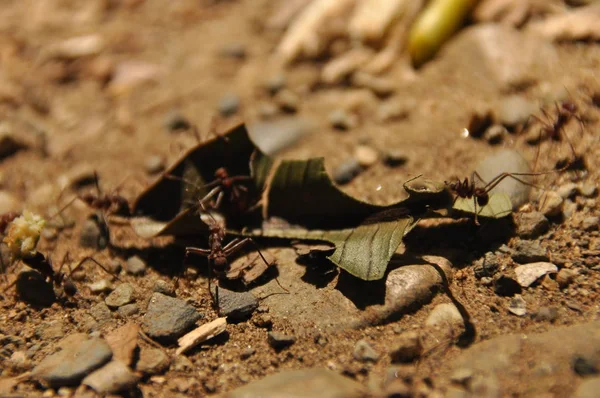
point(565, 277)
point(407, 347)
point(123, 294)
point(378, 85)
point(114, 267)
point(548, 314)
point(279, 340)
point(568, 190)
point(510, 161)
point(79, 356)
point(111, 378)
point(529, 251)
point(164, 287)
point(128, 310)
point(507, 287)
point(445, 314)
point(490, 265)
point(32, 288)
point(234, 50)
point(175, 121)
point(569, 208)
point(527, 274)
point(92, 235)
point(590, 223)
point(495, 134)
point(531, 225)
point(50, 330)
point(247, 353)
point(168, 318)
point(287, 100)
point(551, 204)
point(515, 110)
point(363, 352)
point(237, 306)
point(229, 104)
point(588, 388)
point(101, 286)
point(341, 120)
point(317, 382)
point(154, 164)
point(100, 312)
point(589, 190)
point(153, 361)
point(135, 266)
point(264, 321)
point(347, 171)
point(394, 158)
point(275, 83)
point(517, 306)
point(394, 110)
point(19, 361)
point(585, 365)
point(77, 47)
point(365, 155)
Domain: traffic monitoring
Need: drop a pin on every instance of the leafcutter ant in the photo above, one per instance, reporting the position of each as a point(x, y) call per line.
point(218, 256)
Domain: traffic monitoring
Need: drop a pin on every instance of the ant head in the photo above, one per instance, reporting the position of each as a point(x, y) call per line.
point(221, 172)
point(69, 288)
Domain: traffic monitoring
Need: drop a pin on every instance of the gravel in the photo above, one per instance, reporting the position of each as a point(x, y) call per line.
point(168, 318)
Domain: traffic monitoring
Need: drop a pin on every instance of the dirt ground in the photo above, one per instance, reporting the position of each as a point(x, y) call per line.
point(74, 117)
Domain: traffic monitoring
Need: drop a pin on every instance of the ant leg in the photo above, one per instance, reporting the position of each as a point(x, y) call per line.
point(210, 195)
point(198, 251)
point(219, 199)
point(92, 259)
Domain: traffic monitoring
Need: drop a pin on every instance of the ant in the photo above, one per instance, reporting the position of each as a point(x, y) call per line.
point(43, 264)
point(218, 255)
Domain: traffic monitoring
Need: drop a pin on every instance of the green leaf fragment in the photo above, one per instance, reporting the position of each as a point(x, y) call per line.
point(499, 206)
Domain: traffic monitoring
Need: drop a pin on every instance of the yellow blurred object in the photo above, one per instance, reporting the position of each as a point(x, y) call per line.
point(23, 234)
point(436, 24)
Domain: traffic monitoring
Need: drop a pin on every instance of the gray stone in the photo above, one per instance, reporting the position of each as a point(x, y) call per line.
point(236, 306)
point(123, 294)
point(527, 274)
point(135, 266)
point(305, 383)
point(164, 287)
point(79, 356)
point(154, 164)
point(515, 110)
point(509, 161)
point(586, 364)
point(175, 121)
point(32, 288)
point(168, 318)
point(547, 314)
point(517, 306)
point(128, 310)
point(111, 378)
point(588, 388)
point(280, 340)
point(551, 204)
point(92, 235)
point(395, 158)
point(153, 361)
point(490, 265)
point(273, 136)
point(407, 347)
point(247, 353)
point(229, 104)
point(590, 223)
point(346, 171)
point(234, 50)
point(531, 225)
point(529, 251)
point(363, 352)
point(50, 330)
point(101, 286)
point(565, 276)
point(444, 315)
point(100, 312)
point(342, 120)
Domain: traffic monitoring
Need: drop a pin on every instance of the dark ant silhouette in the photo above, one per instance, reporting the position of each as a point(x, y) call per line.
point(218, 256)
point(43, 264)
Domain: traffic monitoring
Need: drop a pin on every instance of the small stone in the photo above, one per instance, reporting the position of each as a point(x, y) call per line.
point(347, 171)
point(394, 109)
point(264, 321)
point(590, 223)
point(229, 104)
point(153, 361)
point(92, 235)
point(168, 318)
point(275, 83)
point(79, 356)
point(529, 251)
point(366, 155)
point(128, 310)
point(32, 288)
point(114, 267)
point(100, 312)
point(551, 204)
point(234, 50)
point(495, 134)
point(588, 388)
point(445, 314)
point(111, 378)
point(515, 110)
point(247, 353)
point(154, 164)
point(101, 286)
point(175, 121)
point(341, 120)
point(569, 208)
point(568, 190)
point(164, 287)
point(237, 306)
point(491, 265)
point(547, 314)
point(135, 266)
point(507, 287)
point(363, 352)
point(395, 158)
point(585, 365)
point(378, 85)
point(51, 330)
point(77, 47)
point(287, 100)
point(531, 225)
point(565, 277)
point(589, 190)
point(123, 294)
point(479, 122)
point(279, 340)
point(517, 306)
point(527, 274)
point(19, 361)
point(407, 347)
point(182, 364)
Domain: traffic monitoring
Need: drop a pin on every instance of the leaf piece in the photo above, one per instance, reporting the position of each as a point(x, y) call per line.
point(498, 206)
